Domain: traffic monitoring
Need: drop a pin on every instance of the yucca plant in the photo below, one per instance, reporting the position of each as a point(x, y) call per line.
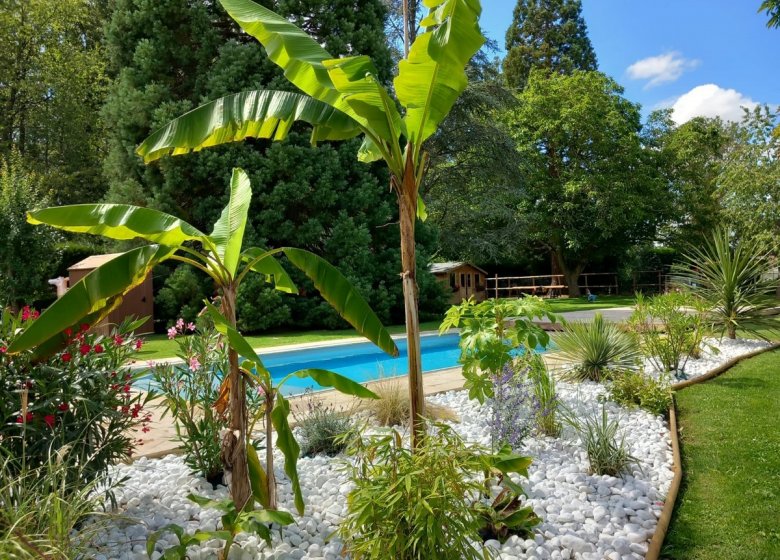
point(736, 277)
point(594, 349)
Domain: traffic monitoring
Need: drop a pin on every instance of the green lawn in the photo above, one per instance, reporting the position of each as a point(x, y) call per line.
point(158, 346)
point(729, 504)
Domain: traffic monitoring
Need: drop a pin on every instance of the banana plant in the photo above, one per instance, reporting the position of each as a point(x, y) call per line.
point(223, 258)
point(342, 98)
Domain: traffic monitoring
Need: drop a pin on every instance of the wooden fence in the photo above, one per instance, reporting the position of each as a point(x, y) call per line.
point(549, 285)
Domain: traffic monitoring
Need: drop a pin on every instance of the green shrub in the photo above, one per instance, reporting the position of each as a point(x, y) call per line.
point(319, 426)
point(593, 350)
point(79, 398)
point(422, 505)
point(607, 454)
point(189, 391)
point(181, 295)
point(671, 328)
point(736, 278)
point(633, 388)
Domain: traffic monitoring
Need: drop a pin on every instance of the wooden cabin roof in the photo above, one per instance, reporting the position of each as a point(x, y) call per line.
point(445, 267)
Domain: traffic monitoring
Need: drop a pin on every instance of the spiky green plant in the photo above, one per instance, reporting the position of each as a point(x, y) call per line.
point(736, 277)
point(594, 349)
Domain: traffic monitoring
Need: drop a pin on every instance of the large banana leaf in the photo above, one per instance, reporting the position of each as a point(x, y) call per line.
point(327, 378)
point(118, 221)
point(430, 81)
point(269, 267)
point(285, 441)
point(237, 341)
point(228, 234)
point(250, 114)
point(344, 298)
point(89, 298)
point(258, 478)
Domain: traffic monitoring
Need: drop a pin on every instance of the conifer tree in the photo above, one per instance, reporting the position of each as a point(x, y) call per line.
point(547, 34)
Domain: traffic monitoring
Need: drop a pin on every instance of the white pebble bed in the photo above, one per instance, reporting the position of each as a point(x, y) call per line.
point(584, 516)
point(715, 352)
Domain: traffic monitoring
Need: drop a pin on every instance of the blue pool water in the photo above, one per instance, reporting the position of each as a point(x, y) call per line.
point(360, 361)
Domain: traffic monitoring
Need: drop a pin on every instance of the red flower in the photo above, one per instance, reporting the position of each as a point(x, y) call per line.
point(118, 340)
point(138, 344)
point(146, 429)
point(66, 357)
point(26, 312)
point(126, 388)
point(36, 314)
point(84, 349)
point(49, 419)
point(63, 407)
point(3, 349)
point(98, 349)
point(68, 332)
point(128, 377)
point(115, 387)
point(19, 419)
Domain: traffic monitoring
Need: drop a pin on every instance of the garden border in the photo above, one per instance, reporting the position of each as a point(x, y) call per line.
point(659, 536)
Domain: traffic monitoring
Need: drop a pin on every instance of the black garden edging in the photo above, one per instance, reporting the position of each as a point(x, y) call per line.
point(654, 550)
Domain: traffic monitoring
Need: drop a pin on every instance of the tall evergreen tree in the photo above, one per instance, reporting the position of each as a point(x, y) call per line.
point(172, 55)
point(547, 34)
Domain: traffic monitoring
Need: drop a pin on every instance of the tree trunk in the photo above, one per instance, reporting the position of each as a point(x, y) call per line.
point(571, 274)
point(234, 442)
point(407, 208)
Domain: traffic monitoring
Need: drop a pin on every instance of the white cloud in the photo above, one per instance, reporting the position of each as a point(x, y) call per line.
point(665, 67)
point(709, 100)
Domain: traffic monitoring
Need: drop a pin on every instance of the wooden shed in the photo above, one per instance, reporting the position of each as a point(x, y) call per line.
point(137, 303)
point(463, 280)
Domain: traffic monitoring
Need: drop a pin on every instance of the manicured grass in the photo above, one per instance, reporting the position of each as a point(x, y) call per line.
point(562, 305)
point(158, 346)
point(729, 504)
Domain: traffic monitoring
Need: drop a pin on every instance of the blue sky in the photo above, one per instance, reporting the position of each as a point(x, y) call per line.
point(699, 56)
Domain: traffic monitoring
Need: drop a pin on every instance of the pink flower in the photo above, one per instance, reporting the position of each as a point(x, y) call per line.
point(118, 340)
point(191, 327)
point(26, 313)
point(172, 332)
point(49, 419)
point(35, 314)
point(138, 344)
point(3, 349)
point(180, 324)
point(194, 364)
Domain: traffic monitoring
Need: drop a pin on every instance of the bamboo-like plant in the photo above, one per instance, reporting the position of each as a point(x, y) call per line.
point(221, 256)
point(736, 277)
point(342, 98)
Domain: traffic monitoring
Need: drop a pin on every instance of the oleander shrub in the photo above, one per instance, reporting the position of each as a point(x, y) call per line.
point(188, 392)
point(319, 426)
point(427, 504)
point(592, 350)
point(80, 398)
point(671, 328)
point(635, 389)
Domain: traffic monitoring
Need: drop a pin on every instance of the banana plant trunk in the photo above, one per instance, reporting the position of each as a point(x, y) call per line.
point(234, 458)
point(407, 206)
point(269, 449)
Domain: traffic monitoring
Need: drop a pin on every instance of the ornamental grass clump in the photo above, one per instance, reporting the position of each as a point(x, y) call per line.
point(545, 399)
point(392, 407)
point(430, 503)
point(593, 350)
point(608, 453)
point(319, 426)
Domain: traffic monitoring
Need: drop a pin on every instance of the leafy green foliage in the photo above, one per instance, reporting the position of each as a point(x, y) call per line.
point(607, 454)
point(79, 399)
point(772, 8)
point(233, 522)
point(421, 505)
point(595, 349)
point(189, 392)
point(27, 255)
point(551, 36)
point(596, 190)
point(670, 327)
point(491, 332)
point(319, 425)
point(735, 279)
point(546, 402)
point(634, 388)
point(506, 516)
